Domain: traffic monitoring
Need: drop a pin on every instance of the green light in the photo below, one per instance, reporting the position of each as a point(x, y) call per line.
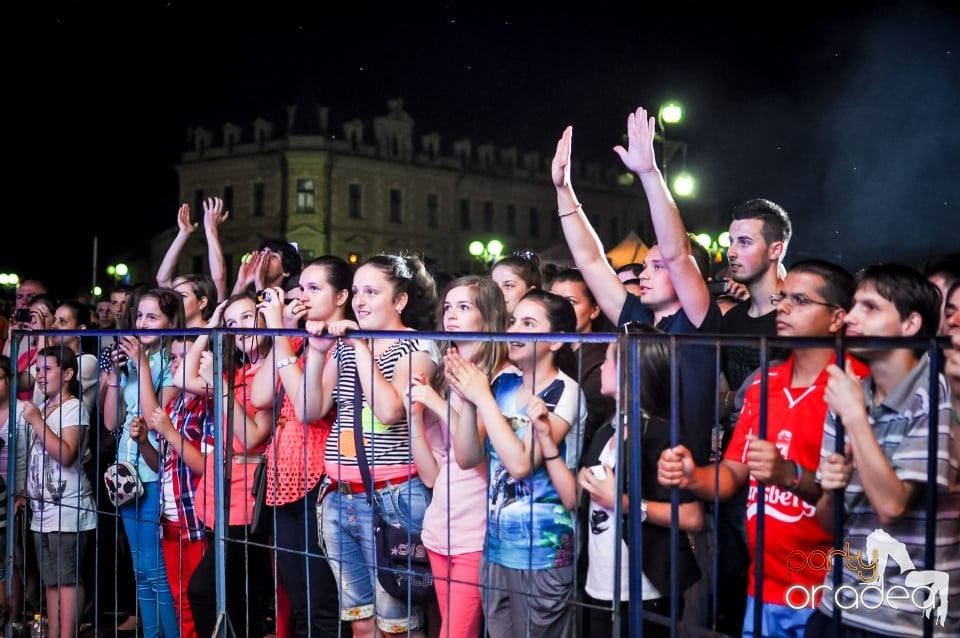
point(121, 270)
point(9, 279)
point(724, 239)
point(111, 270)
point(625, 179)
point(704, 240)
point(671, 112)
point(97, 291)
point(684, 185)
point(494, 247)
point(475, 248)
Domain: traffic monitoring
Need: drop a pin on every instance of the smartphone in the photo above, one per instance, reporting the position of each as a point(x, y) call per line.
point(599, 472)
point(22, 315)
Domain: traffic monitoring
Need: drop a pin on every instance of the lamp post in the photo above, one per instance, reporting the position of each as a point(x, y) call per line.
point(683, 183)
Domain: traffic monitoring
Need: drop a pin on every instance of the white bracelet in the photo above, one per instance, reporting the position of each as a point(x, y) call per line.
point(283, 363)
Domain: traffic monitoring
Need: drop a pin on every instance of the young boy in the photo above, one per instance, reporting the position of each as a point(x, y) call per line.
point(886, 419)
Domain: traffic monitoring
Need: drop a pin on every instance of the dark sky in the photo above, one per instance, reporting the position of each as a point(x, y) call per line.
point(848, 116)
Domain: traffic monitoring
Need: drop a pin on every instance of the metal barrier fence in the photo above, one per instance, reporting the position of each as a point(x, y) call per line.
point(240, 602)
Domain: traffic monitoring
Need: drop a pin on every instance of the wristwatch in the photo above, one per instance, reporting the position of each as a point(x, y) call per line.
point(643, 509)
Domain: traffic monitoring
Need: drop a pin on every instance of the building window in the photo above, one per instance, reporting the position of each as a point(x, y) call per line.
point(433, 210)
point(197, 212)
point(258, 200)
point(464, 214)
point(305, 195)
point(228, 198)
point(511, 219)
point(534, 222)
point(488, 216)
point(396, 206)
point(355, 208)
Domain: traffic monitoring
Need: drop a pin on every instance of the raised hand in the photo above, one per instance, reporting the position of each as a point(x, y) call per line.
point(249, 263)
point(836, 470)
point(560, 166)
point(675, 467)
point(217, 317)
point(213, 213)
point(183, 220)
point(641, 130)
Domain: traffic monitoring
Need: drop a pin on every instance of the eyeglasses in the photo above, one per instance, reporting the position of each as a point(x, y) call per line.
point(798, 301)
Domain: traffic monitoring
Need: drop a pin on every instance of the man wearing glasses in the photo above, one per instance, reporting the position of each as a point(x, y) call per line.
point(813, 303)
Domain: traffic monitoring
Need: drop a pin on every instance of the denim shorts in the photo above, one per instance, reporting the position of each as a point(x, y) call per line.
point(345, 524)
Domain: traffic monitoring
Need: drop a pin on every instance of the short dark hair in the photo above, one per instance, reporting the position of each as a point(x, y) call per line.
point(908, 290)
point(839, 284)
point(289, 257)
point(776, 221)
point(947, 266)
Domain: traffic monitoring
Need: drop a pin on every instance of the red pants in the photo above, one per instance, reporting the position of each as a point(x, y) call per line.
point(181, 558)
point(455, 579)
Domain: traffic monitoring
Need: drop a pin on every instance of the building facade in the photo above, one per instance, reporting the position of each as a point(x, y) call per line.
point(378, 187)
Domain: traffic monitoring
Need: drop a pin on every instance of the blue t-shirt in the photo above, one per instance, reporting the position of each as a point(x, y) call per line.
point(698, 378)
point(527, 525)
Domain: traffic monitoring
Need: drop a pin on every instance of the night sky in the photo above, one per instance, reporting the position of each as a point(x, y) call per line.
point(847, 116)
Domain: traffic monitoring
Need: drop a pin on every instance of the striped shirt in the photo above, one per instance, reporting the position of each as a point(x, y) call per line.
point(900, 424)
point(387, 446)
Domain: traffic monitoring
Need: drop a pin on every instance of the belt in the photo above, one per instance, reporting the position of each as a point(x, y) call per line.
point(359, 488)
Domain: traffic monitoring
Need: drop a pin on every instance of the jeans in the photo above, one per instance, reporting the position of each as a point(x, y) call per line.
point(141, 521)
point(346, 524)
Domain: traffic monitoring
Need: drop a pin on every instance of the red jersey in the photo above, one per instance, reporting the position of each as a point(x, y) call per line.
point(793, 540)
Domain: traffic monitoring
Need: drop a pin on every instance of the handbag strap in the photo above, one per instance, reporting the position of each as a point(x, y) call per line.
point(358, 434)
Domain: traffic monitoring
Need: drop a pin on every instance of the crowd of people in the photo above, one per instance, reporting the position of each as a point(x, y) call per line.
point(506, 457)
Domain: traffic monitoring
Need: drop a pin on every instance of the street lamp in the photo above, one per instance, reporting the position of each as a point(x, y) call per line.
point(119, 272)
point(9, 279)
point(487, 253)
point(683, 184)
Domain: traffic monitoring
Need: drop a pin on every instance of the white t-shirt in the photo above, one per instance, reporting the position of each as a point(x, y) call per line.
point(61, 497)
point(602, 527)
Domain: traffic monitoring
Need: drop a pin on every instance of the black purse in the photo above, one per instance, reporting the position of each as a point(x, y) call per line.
point(403, 566)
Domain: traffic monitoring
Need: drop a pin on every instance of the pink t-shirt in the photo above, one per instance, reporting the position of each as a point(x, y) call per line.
point(459, 498)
